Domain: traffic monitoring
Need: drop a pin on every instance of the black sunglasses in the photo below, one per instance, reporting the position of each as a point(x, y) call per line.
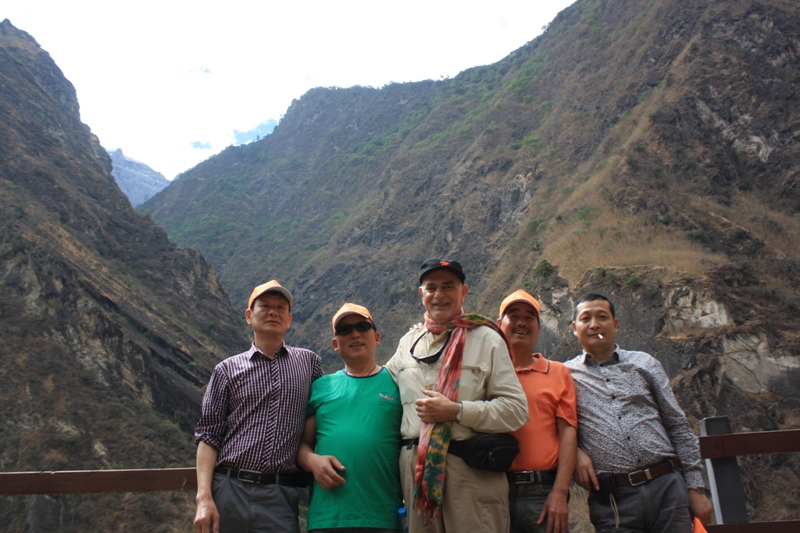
point(347, 329)
point(430, 359)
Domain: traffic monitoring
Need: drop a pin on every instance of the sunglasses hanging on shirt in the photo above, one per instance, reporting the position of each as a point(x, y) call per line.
point(430, 359)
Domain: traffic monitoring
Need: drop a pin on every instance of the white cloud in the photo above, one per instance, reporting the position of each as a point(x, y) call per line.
point(155, 77)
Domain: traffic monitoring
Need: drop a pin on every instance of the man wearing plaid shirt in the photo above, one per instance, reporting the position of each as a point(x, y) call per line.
point(252, 419)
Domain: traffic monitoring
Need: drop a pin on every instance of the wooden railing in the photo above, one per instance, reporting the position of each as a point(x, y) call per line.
point(718, 446)
point(93, 481)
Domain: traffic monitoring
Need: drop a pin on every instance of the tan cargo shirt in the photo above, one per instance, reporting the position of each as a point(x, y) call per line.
point(492, 397)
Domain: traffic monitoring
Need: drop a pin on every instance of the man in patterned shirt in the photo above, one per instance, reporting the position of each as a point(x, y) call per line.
point(637, 453)
point(252, 419)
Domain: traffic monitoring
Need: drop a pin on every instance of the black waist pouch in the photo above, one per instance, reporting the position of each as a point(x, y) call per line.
point(608, 488)
point(487, 451)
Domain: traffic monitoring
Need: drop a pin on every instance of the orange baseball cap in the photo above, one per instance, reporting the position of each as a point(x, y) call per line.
point(270, 286)
point(520, 296)
point(350, 309)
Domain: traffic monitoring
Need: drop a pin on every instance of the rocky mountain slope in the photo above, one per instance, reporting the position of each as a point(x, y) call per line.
point(138, 181)
point(641, 148)
point(109, 331)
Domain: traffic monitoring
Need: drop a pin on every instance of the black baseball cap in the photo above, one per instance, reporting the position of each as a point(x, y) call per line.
point(441, 264)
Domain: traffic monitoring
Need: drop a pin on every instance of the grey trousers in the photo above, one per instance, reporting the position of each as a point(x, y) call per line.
point(526, 502)
point(658, 506)
point(254, 508)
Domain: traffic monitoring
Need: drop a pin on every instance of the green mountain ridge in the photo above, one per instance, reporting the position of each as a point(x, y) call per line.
point(623, 136)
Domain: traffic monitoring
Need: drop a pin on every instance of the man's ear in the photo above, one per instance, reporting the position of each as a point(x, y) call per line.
point(378, 338)
point(574, 329)
point(335, 343)
point(247, 314)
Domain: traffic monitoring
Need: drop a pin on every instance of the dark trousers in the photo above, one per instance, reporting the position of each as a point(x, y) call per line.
point(658, 506)
point(254, 508)
point(526, 502)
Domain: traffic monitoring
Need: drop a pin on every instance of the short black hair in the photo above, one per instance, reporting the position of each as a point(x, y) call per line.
point(593, 297)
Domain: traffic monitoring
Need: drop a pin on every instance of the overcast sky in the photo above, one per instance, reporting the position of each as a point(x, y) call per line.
point(170, 82)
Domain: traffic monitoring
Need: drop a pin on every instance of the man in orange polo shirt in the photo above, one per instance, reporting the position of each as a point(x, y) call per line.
point(540, 476)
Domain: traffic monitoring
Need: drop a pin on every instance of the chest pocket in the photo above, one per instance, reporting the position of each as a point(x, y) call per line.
point(411, 378)
point(473, 382)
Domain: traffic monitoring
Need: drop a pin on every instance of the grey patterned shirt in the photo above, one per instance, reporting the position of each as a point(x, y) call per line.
point(628, 417)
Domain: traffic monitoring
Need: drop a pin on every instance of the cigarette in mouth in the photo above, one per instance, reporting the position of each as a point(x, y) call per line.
point(599, 335)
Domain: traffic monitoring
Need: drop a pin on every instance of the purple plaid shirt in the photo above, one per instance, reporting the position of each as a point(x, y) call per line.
point(254, 409)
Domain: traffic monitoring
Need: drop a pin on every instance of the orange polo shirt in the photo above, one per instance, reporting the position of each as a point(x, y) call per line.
point(550, 391)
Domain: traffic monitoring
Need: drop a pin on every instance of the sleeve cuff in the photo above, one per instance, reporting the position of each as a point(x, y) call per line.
point(694, 480)
point(469, 414)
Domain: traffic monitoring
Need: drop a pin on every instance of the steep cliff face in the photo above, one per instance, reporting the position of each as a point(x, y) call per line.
point(109, 330)
point(645, 149)
point(138, 181)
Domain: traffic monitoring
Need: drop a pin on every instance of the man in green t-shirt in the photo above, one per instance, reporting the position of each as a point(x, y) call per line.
point(351, 441)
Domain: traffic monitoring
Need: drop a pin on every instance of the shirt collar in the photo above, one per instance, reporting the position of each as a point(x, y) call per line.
point(612, 359)
point(253, 351)
point(540, 364)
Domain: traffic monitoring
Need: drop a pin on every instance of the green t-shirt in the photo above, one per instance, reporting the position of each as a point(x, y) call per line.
point(358, 422)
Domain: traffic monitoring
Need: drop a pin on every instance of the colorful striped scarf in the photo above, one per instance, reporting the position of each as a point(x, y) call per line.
point(434, 439)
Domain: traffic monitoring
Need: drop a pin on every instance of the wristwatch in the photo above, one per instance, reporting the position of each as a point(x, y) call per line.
point(460, 412)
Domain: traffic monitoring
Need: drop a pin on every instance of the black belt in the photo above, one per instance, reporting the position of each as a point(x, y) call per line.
point(454, 447)
point(542, 477)
point(295, 479)
point(640, 477)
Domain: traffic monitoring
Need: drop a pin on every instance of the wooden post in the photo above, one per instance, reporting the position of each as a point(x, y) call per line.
point(727, 493)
